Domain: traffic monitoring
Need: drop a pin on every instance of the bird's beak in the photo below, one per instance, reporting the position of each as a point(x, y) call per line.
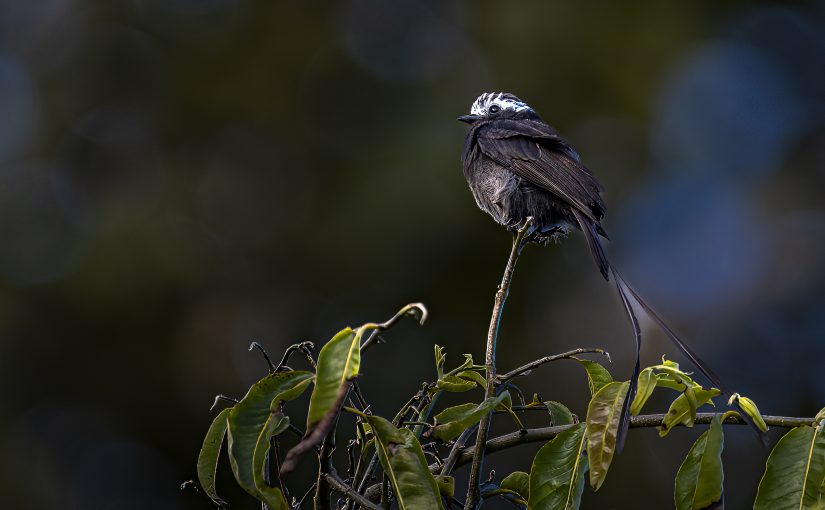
point(469, 119)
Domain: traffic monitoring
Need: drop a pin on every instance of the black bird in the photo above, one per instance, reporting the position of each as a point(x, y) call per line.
point(517, 167)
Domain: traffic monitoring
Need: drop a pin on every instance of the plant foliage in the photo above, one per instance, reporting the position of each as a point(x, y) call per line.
point(402, 451)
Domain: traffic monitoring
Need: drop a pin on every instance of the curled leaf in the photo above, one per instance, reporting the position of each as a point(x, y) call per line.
point(682, 411)
point(406, 468)
point(272, 496)
point(603, 416)
point(472, 375)
point(249, 417)
point(209, 454)
point(646, 385)
point(748, 407)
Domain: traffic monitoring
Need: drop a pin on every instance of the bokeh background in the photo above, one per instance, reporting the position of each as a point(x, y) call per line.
point(181, 177)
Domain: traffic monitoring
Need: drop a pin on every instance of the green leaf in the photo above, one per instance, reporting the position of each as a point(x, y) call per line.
point(272, 496)
point(440, 358)
point(667, 381)
point(249, 417)
point(748, 406)
point(451, 422)
point(700, 478)
point(446, 485)
point(795, 472)
point(557, 475)
point(683, 411)
point(518, 482)
point(603, 416)
point(646, 385)
point(454, 384)
point(597, 375)
point(559, 413)
point(404, 464)
point(472, 375)
point(338, 361)
point(208, 458)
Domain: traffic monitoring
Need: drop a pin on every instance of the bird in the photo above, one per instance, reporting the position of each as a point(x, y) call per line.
point(519, 167)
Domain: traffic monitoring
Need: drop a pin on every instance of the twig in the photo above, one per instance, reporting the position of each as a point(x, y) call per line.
point(304, 347)
point(368, 473)
point(455, 451)
point(524, 370)
point(322, 490)
point(412, 310)
point(219, 397)
point(341, 486)
point(507, 441)
point(474, 489)
point(299, 504)
point(256, 345)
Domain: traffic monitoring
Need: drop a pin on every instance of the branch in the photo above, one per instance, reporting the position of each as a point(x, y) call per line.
point(507, 441)
point(341, 486)
point(526, 369)
point(474, 489)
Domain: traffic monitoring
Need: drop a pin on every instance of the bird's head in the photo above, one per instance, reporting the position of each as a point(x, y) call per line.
point(494, 104)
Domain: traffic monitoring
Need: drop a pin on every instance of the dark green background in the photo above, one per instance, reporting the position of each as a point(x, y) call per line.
point(179, 178)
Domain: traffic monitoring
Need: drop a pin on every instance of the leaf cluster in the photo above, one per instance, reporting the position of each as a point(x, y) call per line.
point(408, 461)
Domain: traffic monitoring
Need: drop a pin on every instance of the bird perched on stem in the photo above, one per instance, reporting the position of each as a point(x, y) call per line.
point(518, 167)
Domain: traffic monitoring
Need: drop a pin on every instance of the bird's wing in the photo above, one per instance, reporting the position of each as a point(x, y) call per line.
point(535, 152)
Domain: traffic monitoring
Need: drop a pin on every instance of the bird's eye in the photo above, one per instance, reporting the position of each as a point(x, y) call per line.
point(494, 108)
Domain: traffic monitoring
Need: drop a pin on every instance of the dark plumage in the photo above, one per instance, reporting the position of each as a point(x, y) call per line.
point(517, 166)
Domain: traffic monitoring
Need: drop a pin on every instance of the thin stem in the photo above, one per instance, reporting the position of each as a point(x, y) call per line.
point(256, 345)
point(341, 486)
point(417, 310)
point(507, 441)
point(304, 347)
point(526, 369)
point(322, 490)
point(474, 490)
point(455, 451)
point(512, 439)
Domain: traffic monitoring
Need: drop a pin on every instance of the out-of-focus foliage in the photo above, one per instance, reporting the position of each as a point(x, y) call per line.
point(181, 177)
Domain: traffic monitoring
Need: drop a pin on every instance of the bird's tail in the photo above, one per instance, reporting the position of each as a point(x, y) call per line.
point(628, 295)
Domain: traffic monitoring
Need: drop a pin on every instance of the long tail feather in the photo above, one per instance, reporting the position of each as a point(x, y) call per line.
point(591, 233)
point(674, 338)
point(626, 292)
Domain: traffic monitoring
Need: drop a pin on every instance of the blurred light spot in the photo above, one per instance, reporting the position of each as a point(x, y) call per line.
point(403, 41)
point(19, 109)
point(49, 33)
point(40, 245)
point(728, 112)
point(692, 245)
point(111, 170)
point(793, 38)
